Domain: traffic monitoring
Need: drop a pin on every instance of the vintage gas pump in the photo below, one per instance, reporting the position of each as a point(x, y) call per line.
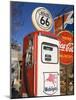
point(41, 66)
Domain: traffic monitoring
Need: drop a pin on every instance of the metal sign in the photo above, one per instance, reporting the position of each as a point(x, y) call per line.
point(66, 47)
point(50, 83)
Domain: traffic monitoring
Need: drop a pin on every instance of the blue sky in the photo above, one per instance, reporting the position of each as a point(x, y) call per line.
point(21, 22)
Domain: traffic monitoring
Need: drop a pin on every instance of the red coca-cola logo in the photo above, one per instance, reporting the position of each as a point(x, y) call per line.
point(66, 47)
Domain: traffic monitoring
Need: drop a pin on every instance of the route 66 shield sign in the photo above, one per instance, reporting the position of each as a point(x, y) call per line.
point(42, 19)
point(50, 83)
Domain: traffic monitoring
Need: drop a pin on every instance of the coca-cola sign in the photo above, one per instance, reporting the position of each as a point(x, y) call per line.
point(66, 47)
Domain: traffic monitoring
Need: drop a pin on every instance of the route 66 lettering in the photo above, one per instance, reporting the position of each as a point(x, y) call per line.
point(43, 21)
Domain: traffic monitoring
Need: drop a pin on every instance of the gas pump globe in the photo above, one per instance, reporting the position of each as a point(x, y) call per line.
point(41, 66)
